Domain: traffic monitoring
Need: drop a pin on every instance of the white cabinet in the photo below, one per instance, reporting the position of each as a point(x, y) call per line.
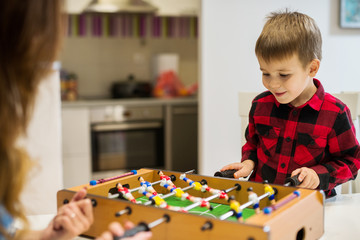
point(76, 146)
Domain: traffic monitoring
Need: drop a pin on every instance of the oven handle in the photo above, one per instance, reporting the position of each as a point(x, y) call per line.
point(124, 126)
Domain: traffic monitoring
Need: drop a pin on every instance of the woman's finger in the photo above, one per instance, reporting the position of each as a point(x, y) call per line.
point(116, 229)
point(81, 194)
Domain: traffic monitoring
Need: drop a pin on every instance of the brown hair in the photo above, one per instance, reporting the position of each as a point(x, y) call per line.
point(30, 36)
point(287, 33)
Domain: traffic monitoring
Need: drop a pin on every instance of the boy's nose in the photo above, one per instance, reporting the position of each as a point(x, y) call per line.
point(274, 84)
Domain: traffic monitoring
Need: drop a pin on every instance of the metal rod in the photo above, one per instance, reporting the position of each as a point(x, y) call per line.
point(208, 199)
point(157, 222)
point(127, 210)
point(242, 207)
point(169, 195)
point(135, 189)
point(116, 195)
point(157, 182)
point(141, 227)
point(226, 215)
point(94, 182)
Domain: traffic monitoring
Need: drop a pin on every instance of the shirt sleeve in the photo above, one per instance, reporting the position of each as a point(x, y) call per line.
point(344, 162)
point(250, 148)
point(6, 222)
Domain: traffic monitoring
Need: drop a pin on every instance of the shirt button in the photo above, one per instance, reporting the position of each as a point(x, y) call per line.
point(294, 113)
point(283, 165)
point(288, 139)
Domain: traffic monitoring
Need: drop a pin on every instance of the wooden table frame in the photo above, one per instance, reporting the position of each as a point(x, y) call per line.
point(301, 218)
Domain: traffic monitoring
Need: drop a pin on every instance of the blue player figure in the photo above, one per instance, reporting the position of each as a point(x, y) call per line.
point(148, 187)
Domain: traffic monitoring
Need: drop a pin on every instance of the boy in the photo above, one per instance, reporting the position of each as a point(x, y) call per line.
point(295, 127)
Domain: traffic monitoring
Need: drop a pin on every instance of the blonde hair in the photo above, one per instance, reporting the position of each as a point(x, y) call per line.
point(286, 33)
point(30, 36)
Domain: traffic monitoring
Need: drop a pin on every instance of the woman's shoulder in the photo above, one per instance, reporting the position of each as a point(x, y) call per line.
point(6, 220)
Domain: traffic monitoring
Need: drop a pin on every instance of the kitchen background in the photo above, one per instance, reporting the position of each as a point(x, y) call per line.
point(101, 48)
point(222, 60)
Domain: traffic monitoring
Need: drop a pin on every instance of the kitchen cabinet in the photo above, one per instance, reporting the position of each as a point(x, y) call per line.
point(180, 132)
point(76, 146)
point(182, 137)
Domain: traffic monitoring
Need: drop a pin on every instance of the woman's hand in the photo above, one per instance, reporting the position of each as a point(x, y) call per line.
point(244, 168)
point(115, 229)
point(308, 177)
point(72, 219)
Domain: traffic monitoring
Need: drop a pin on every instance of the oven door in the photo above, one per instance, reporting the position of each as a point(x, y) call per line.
point(128, 145)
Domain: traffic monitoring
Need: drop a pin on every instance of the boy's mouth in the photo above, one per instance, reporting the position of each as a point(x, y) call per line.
point(279, 94)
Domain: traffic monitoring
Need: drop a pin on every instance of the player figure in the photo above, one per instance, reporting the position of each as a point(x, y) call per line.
point(268, 189)
point(158, 201)
point(196, 185)
point(253, 197)
point(148, 187)
point(166, 179)
point(235, 206)
point(181, 194)
point(213, 191)
point(125, 193)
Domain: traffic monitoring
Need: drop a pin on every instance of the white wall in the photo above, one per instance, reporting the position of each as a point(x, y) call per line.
point(43, 143)
point(229, 29)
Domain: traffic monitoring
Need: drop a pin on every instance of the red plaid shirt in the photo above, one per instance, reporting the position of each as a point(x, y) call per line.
point(319, 135)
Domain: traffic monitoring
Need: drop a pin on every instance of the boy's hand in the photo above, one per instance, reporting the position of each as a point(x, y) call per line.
point(244, 168)
point(72, 219)
point(308, 177)
point(115, 229)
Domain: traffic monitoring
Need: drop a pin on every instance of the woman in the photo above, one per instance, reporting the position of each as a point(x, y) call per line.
point(31, 34)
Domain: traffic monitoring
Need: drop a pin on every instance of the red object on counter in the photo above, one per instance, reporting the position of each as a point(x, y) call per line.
point(169, 85)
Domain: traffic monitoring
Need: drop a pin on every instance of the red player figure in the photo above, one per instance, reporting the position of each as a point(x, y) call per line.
point(213, 191)
point(253, 197)
point(125, 193)
point(166, 179)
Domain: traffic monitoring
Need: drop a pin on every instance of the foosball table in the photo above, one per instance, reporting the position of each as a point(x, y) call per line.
point(178, 205)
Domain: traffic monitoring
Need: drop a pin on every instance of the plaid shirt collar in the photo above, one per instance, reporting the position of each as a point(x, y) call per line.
point(316, 101)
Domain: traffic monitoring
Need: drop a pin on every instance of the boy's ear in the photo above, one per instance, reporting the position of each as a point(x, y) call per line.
point(314, 67)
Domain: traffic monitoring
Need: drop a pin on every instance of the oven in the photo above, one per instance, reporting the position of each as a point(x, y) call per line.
point(126, 138)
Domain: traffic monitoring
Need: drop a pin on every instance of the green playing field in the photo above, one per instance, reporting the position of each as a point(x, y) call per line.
point(218, 209)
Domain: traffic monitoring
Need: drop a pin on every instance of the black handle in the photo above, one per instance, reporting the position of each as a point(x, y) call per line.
point(292, 181)
point(141, 227)
point(226, 174)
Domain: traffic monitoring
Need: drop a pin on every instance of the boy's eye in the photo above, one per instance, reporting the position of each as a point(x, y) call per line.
point(266, 74)
point(284, 75)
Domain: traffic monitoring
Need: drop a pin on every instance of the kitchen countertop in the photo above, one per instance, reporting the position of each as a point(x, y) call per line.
point(342, 214)
point(129, 102)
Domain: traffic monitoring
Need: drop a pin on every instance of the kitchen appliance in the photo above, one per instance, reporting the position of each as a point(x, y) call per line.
point(125, 137)
point(131, 88)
